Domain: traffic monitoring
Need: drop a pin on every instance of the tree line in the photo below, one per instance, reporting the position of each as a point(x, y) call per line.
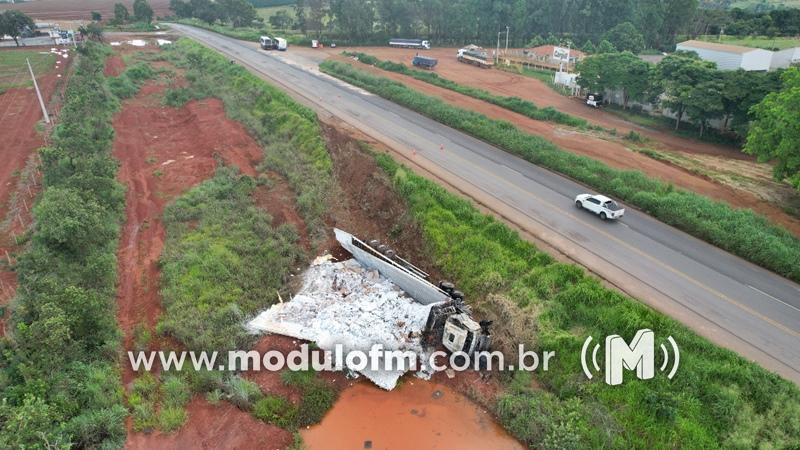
point(740, 22)
point(684, 83)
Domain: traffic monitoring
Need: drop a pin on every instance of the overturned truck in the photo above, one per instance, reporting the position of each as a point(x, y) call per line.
point(449, 322)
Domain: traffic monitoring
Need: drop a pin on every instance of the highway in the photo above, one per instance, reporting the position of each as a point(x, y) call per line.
point(722, 297)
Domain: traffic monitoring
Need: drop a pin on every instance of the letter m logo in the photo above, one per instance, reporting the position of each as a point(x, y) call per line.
point(638, 355)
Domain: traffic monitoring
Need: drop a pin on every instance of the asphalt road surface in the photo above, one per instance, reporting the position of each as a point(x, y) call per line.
point(730, 301)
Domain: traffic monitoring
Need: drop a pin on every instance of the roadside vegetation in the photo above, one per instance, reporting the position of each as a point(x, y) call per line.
point(739, 231)
point(288, 131)
point(516, 104)
point(128, 83)
point(59, 373)
point(717, 400)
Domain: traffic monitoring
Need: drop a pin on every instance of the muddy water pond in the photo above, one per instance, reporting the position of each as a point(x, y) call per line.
point(415, 415)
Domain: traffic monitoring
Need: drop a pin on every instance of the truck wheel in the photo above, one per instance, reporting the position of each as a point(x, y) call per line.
point(603, 216)
point(579, 204)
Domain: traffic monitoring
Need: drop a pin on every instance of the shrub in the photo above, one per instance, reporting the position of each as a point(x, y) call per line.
point(277, 411)
point(241, 392)
point(170, 418)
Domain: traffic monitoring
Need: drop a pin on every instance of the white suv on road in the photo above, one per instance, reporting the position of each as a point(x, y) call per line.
point(600, 205)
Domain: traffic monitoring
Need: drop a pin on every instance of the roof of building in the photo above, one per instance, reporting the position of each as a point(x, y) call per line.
point(547, 50)
point(725, 48)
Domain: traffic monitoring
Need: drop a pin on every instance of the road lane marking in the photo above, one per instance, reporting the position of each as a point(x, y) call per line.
point(774, 298)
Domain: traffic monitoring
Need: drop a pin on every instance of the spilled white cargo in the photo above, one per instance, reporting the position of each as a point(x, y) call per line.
point(348, 304)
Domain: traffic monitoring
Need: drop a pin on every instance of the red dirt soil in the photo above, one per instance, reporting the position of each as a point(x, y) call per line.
point(163, 152)
point(80, 9)
point(114, 66)
point(514, 85)
point(19, 114)
point(612, 153)
point(221, 426)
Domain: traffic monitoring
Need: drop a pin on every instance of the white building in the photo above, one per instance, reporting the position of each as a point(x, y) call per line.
point(785, 58)
point(730, 57)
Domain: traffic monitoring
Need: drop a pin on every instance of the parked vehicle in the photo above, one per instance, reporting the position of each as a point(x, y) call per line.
point(266, 43)
point(600, 205)
point(472, 54)
point(410, 43)
point(594, 99)
point(424, 62)
point(273, 43)
point(314, 43)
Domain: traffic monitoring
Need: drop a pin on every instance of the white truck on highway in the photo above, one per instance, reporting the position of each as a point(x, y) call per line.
point(600, 205)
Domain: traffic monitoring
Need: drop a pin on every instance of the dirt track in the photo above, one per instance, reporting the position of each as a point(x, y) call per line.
point(613, 153)
point(80, 9)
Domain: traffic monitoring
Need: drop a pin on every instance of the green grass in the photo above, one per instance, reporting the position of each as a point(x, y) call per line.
point(14, 69)
point(222, 262)
point(545, 76)
point(739, 231)
point(716, 400)
point(516, 104)
point(764, 42)
point(289, 132)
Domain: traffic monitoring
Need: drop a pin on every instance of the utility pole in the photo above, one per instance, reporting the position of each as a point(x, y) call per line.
point(38, 92)
point(507, 30)
point(497, 53)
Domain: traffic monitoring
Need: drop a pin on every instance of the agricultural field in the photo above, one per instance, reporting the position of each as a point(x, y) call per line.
point(78, 9)
point(767, 43)
point(14, 69)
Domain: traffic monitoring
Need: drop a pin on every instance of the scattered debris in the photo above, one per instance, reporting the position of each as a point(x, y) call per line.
point(348, 304)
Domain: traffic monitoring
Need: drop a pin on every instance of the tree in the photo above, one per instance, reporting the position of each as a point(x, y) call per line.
point(625, 37)
point(353, 17)
point(704, 102)
point(588, 47)
point(605, 47)
point(678, 74)
point(318, 9)
point(92, 31)
point(281, 20)
point(142, 11)
point(300, 15)
point(207, 11)
point(96, 16)
point(121, 14)
point(742, 90)
point(181, 9)
point(240, 12)
point(65, 219)
point(13, 23)
point(775, 132)
point(616, 71)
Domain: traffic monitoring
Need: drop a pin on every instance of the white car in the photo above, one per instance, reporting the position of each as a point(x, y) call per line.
point(600, 205)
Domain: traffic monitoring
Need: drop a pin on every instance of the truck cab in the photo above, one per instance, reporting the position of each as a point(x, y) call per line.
point(266, 43)
point(463, 334)
point(601, 205)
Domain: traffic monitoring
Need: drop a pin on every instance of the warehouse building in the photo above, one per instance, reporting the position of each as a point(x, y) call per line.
point(785, 58)
point(730, 57)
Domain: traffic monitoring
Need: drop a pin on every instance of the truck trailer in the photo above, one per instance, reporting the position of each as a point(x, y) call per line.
point(273, 43)
point(424, 62)
point(472, 54)
point(410, 43)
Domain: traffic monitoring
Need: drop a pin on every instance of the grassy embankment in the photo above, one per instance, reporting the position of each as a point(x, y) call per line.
point(717, 400)
point(516, 104)
point(224, 260)
point(739, 231)
point(59, 376)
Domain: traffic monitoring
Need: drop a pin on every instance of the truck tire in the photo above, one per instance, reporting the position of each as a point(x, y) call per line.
point(603, 216)
point(579, 204)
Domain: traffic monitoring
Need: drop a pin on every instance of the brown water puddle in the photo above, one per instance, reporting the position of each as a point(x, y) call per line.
point(417, 414)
